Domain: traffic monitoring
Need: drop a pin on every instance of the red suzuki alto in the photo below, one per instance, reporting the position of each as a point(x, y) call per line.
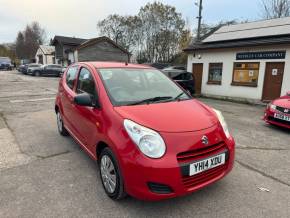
point(152, 140)
point(278, 111)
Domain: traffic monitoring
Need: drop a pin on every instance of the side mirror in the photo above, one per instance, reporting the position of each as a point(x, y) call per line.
point(85, 99)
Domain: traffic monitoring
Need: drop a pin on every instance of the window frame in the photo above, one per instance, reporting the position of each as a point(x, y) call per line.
point(77, 80)
point(213, 82)
point(247, 84)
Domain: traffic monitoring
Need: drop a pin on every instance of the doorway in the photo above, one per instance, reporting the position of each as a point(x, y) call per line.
point(273, 80)
point(197, 70)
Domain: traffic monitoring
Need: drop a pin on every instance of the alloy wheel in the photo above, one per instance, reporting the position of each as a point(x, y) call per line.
point(108, 174)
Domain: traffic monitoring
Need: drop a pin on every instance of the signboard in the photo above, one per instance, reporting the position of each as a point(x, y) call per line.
point(274, 72)
point(261, 55)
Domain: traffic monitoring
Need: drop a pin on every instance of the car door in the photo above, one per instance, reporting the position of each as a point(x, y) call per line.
point(88, 118)
point(67, 94)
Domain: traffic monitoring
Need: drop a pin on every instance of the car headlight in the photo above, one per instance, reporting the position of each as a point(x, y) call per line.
point(222, 122)
point(149, 141)
point(272, 106)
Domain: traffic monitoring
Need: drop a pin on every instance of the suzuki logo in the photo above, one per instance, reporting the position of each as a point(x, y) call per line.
point(286, 110)
point(204, 140)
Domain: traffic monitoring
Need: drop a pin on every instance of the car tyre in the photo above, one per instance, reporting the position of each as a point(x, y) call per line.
point(61, 129)
point(36, 73)
point(110, 174)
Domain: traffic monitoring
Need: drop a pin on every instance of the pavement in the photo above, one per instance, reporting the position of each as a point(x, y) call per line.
point(43, 174)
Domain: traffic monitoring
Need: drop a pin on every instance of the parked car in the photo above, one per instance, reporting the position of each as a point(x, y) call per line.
point(174, 68)
point(278, 111)
point(159, 66)
point(30, 68)
point(5, 63)
point(183, 78)
point(23, 68)
point(151, 139)
point(46, 70)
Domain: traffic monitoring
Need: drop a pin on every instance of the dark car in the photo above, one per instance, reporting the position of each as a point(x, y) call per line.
point(158, 66)
point(183, 78)
point(46, 70)
point(22, 68)
point(177, 68)
point(5, 63)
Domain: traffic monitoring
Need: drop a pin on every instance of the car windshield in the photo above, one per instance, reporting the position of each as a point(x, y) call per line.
point(140, 86)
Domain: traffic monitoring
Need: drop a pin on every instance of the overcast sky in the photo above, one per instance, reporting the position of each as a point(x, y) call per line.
point(79, 17)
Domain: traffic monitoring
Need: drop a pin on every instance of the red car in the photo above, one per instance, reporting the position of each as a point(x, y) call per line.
point(152, 140)
point(278, 111)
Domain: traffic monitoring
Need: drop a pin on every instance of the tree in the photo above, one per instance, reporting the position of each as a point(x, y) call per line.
point(275, 8)
point(121, 29)
point(153, 35)
point(20, 46)
point(28, 41)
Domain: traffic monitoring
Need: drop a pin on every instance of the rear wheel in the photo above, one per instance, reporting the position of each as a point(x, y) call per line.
point(61, 129)
point(110, 175)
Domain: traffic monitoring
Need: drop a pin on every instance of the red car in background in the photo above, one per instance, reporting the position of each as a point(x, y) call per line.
point(152, 140)
point(278, 111)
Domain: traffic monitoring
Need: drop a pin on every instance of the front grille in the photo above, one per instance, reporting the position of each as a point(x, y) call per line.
point(188, 157)
point(282, 109)
point(159, 188)
point(191, 181)
point(278, 120)
point(200, 153)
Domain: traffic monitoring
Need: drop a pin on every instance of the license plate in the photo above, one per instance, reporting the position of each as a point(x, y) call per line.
point(207, 164)
point(282, 117)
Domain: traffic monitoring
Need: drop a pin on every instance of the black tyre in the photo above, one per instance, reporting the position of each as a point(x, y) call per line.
point(111, 178)
point(36, 73)
point(61, 129)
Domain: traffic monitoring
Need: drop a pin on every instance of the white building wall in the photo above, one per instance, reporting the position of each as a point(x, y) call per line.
point(228, 57)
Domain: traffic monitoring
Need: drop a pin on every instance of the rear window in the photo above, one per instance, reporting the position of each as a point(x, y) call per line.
point(71, 76)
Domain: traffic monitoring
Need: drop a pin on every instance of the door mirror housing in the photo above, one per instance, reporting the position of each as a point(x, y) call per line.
point(86, 99)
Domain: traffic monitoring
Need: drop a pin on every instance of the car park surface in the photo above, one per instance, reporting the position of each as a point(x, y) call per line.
point(43, 174)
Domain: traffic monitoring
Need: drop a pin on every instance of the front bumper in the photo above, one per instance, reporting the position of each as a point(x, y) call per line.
point(269, 118)
point(138, 171)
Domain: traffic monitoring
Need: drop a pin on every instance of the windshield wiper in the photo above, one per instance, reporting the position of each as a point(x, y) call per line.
point(178, 96)
point(149, 100)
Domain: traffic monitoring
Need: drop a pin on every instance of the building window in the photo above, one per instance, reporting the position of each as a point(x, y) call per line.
point(215, 71)
point(246, 74)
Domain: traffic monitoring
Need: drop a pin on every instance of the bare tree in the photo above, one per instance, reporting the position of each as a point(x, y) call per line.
point(275, 8)
point(28, 41)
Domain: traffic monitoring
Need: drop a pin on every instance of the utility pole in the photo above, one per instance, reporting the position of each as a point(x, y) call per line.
point(199, 19)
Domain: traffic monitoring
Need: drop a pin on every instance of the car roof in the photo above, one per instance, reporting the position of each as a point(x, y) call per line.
point(116, 65)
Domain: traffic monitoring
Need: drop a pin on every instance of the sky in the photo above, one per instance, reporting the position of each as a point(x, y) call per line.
point(79, 18)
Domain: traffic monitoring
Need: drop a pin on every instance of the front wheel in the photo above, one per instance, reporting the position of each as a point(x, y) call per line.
point(110, 175)
point(37, 73)
point(61, 129)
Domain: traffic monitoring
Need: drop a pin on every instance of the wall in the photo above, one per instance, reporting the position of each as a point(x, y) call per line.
point(228, 57)
point(102, 51)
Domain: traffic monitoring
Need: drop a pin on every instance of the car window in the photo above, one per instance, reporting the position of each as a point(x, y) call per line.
point(86, 82)
point(71, 76)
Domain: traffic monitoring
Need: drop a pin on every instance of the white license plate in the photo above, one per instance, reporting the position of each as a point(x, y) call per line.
point(207, 164)
point(282, 117)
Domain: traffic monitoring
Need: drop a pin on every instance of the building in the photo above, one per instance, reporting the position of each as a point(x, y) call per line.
point(45, 55)
point(100, 49)
point(63, 47)
point(248, 61)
